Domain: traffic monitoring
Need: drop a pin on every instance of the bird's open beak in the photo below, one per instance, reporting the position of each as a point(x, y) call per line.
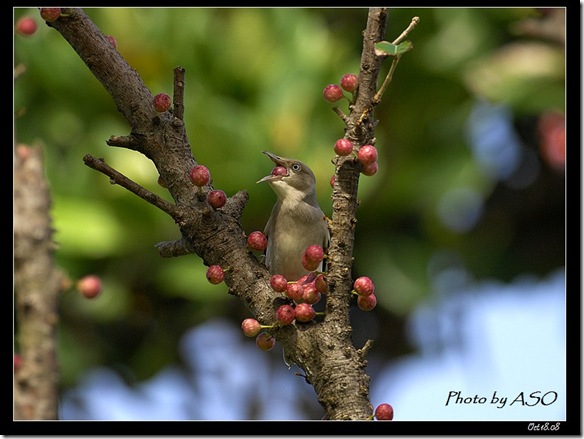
point(280, 162)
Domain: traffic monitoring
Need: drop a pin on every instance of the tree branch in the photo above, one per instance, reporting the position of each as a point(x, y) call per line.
point(37, 284)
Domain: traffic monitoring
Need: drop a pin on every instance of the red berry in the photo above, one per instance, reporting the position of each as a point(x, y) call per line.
point(161, 102)
point(311, 295)
point(343, 147)
point(367, 303)
point(251, 327)
point(200, 175)
point(285, 314)
point(257, 241)
point(265, 341)
point(363, 286)
point(552, 138)
point(320, 283)
point(217, 199)
point(279, 170)
point(332, 181)
point(215, 274)
point(112, 41)
point(26, 26)
point(89, 286)
point(384, 412)
point(304, 312)
point(50, 14)
point(367, 155)
point(308, 264)
point(332, 93)
point(278, 283)
point(17, 361)
point(295, 291)
point(370, 169)
point(349, 82)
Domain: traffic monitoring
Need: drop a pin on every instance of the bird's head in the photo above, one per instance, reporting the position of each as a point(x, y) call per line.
point(290, 178)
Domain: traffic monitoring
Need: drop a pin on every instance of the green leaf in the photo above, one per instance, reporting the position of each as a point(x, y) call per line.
point(386, 48)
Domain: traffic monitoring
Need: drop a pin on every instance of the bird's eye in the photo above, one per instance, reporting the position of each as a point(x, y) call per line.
point(296, 167)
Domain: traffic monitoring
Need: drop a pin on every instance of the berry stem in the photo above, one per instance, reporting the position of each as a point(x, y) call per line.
point(342, 115)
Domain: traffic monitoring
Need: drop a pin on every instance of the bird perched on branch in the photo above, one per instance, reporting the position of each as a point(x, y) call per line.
point(296, 221)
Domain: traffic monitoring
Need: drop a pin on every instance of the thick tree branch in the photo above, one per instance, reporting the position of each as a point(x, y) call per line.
point(37, 284)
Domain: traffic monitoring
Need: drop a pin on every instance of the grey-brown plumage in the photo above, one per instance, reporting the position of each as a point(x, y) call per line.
point(296, 221)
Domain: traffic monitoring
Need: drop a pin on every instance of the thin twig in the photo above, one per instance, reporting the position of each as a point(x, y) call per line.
point(118, 178)
point(405, 33)
point(387, 80)
point(389, 76)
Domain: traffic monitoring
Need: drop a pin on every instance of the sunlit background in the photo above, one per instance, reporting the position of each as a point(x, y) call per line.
point(462, 229)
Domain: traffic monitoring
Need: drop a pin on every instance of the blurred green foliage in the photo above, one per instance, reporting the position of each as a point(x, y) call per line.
point(254, 80)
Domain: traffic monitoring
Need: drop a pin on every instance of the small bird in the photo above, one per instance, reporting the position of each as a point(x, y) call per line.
point(296, 221)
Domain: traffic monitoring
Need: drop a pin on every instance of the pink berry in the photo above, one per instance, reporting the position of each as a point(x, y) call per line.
point(314, 253)
point(285, 314)
point(295, 292)
point(304, 312)
point(367, 155)
point(89, 286)
point(370, 169)
point(278, 283)
point(332, 93)
point(200, 175)
point(217, 198)
point(161, 102)
point(215, 274)
point(251, 327)
point(112, 41)
point(367, 303)
point(26, 26)
point(343, 147)
point(257, 241)
point(265, 341)
point(50, 14)
point(279, 170)
point(364, 286)
point(349, 82)
point(384, 412)
point(311, 295)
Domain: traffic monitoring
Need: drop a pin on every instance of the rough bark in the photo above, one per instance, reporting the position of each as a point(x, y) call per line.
point(37, 284)
point(322, 349)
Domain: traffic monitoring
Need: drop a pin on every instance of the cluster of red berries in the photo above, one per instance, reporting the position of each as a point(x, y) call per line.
point(27, 25)
point(301, 294)
point(333, 92)
point(200, 176)
point(363, 287)
point(366, 154)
